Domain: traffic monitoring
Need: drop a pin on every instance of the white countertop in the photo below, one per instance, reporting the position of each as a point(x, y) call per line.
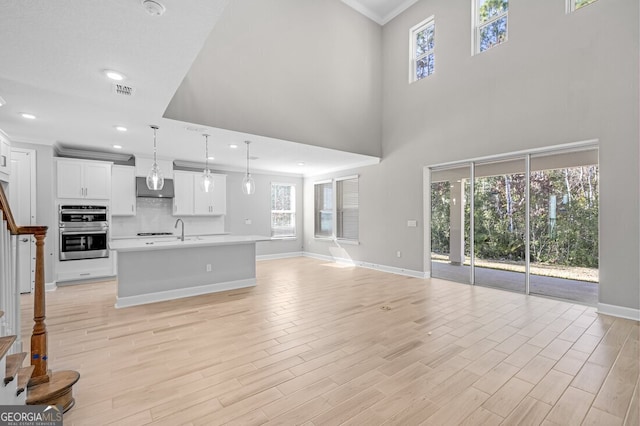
point(173, 242)
point(162, 237)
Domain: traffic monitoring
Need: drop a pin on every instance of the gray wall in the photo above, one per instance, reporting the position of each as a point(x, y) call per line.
point(558, 79)
point(45, 207)
point(257, 208)
point(302, 70)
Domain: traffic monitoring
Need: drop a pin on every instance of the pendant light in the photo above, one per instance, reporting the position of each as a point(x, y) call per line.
point(155, 179)
point(248, 185)
point(206, 181)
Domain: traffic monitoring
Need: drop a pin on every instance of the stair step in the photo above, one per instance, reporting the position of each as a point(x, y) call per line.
point(57, 391)
point(5, 344)
point(14, 362)
point(24, 374)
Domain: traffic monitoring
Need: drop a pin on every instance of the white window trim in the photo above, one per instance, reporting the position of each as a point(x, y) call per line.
point(334, 224)
point(571, 5)
point(335, 210)
point(413, 60)
point(331, 237)
point(295, 219)
point(477, 26)
point(347, 178)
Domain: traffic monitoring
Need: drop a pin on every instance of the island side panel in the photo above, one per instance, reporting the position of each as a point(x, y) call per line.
point(152, 271)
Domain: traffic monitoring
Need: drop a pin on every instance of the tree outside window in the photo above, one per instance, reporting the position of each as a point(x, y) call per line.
point(422, 49)
point(491, 23)
point(283, 210)
point(577, 4)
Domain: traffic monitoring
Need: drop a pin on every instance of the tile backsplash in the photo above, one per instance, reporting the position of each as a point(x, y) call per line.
point(155, 215)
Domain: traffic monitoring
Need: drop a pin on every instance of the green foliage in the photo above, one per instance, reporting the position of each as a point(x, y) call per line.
point(491, 8)
point(570, 238)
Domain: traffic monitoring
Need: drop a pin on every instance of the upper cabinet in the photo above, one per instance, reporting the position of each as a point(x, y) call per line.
point(123, 191)
point(191, 200)
point(183, 193)
point(5, 158)
point(83, 179)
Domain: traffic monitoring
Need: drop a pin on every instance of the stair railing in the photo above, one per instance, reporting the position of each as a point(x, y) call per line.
point(9, 291)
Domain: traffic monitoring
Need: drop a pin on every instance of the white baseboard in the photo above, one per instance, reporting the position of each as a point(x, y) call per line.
point(382, 268)
point(50, 286)
point(161, 296)
point(392, 269)
point(619, 311)
point(318, 256)
point(278, 256)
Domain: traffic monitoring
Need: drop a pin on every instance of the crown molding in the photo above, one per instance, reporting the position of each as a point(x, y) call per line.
point(64, 151)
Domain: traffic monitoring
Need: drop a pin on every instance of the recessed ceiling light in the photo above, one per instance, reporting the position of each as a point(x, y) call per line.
point(121, 128)
point(233, 146)
point(153, 7)
point(117, 146)
point(210, 158)
point(114, 75)
point(28, 116)
point(2, 101)
point(301, 164)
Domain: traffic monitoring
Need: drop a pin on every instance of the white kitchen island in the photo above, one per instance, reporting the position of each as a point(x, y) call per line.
point(153, 270)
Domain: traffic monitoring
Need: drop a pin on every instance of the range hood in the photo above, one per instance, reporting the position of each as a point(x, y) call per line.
point(144, 192)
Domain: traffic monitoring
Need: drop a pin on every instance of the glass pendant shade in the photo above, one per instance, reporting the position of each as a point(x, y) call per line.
point(206, 180)
point(248, 185)
point(155, 178)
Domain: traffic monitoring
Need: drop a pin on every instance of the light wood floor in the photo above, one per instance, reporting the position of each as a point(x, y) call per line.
point(314, 343)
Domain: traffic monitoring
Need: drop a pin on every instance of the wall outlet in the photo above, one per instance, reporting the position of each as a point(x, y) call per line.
point(208, 267)
point(247, 221)
point(398, 253)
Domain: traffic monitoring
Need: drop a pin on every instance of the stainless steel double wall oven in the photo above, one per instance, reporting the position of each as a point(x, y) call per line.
point(84, 232)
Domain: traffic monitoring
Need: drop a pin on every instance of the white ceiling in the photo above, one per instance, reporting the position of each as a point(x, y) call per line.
point(380, 11)
point(53, 57)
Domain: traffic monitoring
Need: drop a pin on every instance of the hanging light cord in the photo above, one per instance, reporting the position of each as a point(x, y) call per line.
point(155, 156)
point(206, 153)
point(247, 142)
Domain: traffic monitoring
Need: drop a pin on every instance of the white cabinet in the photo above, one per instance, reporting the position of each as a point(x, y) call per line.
point(183, 193)
point(191, 200)
point(123, 191)
point(83, 179)
point(5, 158)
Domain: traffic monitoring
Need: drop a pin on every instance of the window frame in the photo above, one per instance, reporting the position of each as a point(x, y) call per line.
point(477, 26)
point(333, 236)
point(292, 212)
point(338, 203)
point(413, 59)
point(317, 213)
point(571, 5)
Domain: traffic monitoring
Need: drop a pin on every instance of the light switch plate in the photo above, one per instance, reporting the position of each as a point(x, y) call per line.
point(247, 221)
point(412, 223)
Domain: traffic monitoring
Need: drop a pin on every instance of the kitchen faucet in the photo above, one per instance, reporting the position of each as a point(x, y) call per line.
point(176, 225)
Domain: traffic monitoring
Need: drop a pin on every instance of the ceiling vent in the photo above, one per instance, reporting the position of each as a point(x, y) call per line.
point(123, 89)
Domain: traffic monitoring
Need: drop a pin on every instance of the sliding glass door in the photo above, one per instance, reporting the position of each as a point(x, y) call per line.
point(526, 223)
point(499, 224)
point(564, 225)
point(450, 212)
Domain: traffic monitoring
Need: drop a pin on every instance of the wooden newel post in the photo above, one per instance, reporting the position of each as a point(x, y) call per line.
point(39, 352)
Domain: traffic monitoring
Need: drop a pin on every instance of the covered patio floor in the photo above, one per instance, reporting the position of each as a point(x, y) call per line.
point(574, 290)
